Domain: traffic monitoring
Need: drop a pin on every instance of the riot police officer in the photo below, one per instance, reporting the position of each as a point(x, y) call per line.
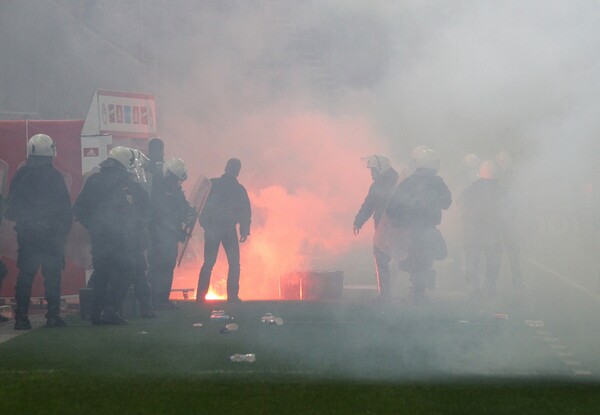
point(385, 178)
point(416, 206)
point(39, 204)
point(113, 207)
point(170, 210)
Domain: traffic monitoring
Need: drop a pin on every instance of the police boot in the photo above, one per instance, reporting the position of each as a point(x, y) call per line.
point(22, 323)
point(418, 287)
point(146, 309)
point(144, 295)
point(21, 320)
point(53, 318)
point(110, 316)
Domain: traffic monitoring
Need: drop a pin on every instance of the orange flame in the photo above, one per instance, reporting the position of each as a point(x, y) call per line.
point(305, 190)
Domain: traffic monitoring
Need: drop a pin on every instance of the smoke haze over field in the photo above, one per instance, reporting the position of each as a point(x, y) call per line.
point(301, 90)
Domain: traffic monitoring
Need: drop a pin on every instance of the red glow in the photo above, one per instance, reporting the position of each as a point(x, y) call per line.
point(213, 295)
point(306, 182)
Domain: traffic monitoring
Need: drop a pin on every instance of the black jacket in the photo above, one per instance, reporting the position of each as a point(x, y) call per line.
point(114, 208)
point(483, 207)
point(39, 200)
point(170, 210)
point(377, 198)
point(419, 200)
point(227, 205)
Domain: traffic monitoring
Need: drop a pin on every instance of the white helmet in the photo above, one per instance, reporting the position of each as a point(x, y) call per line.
point(416, 152)
point(41, 145)
point(377, 162)
point(425, 158)
point(123, 155)
point(504, 160)
point(489, 170)
point(176, 167)
point(471, 161)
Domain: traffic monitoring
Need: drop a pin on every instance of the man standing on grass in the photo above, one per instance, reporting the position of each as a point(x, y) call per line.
point(114, 208)
point(3, 269)
point(483, 207)
point(227, 205)
point(416, 206)
point(39, 203)
point(170, 211)
point(385, 178)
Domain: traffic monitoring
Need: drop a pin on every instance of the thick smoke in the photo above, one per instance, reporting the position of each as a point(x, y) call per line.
point(300, 90)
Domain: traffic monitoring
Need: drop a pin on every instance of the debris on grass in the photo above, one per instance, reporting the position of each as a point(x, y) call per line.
point(219, 315)
point(269, 318)
point(232, 326)
point(248, 357)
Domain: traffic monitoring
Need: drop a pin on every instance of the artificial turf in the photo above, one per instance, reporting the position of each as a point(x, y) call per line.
point(325, 358)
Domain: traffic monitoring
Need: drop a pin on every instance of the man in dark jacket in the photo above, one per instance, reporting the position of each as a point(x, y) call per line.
point(3, 269)
point(227, 205)
point(483, 208)
point(416, 206)
point(170, 210)
point(114, 209)
point(39, 203)
point(385, 179)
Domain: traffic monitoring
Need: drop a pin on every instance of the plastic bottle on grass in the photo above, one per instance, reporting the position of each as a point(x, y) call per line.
point(248, 357)
point(268, 318)
point(219, 315)
point(232, 326)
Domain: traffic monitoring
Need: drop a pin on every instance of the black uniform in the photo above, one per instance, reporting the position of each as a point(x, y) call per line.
point(40, 205)
point(483, 209)
point(511, 235)
point(141, 285)
point(416, 206)
point(114, 209)
point(227, 205)
point(170, 210)
point(373, 206)
point(3, 269)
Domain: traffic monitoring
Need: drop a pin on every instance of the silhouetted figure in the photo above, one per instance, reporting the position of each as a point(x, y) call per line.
point(3, 269)
point(483, 209)
point(39, 204)
point(154, 168)
point(113, 207)
point(510, 238)
point(141, 286)
point(170, 210)
point(385, 179)
point(416, 206)
point(227, 205)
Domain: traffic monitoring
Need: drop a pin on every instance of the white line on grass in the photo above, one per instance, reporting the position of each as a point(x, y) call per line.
point(561, 277)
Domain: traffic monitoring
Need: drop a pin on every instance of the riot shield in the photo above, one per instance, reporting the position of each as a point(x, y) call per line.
point(391, 239)
point(199, 195)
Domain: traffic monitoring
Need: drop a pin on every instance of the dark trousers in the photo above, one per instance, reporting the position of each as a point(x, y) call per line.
point(426, 245)
point(162, 257)
point(113, 276)
point(212, 241)
point(141, 286)
point(511, 245)
point(492, 254)
point(35, 253)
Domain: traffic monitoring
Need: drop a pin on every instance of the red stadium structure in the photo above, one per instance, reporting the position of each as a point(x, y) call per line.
point(114, 118)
